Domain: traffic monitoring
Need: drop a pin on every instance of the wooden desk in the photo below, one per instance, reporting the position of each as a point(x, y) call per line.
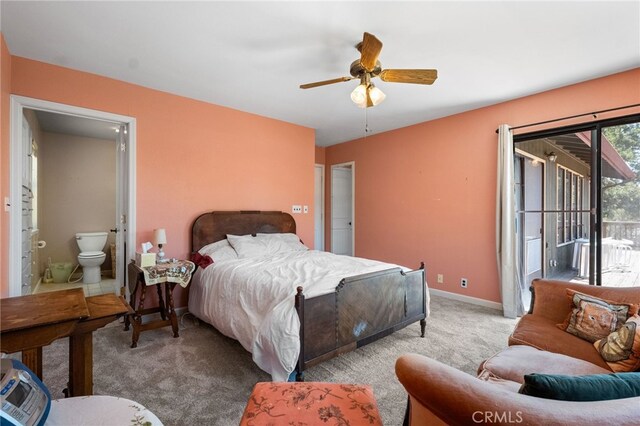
point(29, 322)
point(103, 309)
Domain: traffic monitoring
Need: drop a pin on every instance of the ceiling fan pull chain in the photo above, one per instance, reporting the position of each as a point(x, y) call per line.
point(366, 122)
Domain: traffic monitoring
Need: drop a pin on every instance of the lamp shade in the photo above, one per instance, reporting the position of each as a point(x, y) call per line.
point(160, 236)
point(376, 95)
point(359, 95)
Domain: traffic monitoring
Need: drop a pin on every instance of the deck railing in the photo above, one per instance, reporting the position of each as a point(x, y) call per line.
point(622, 231)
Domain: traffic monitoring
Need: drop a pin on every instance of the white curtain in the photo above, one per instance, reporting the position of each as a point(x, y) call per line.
point(508, 270)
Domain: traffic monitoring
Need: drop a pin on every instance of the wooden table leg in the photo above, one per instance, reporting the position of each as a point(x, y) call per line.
point(161, 303)
point(172, 312)
point(132, 303)
point(137, 317)
point(32, 358)
point(81, 364)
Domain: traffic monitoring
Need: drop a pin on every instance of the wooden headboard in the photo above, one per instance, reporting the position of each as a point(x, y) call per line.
point(211, 227)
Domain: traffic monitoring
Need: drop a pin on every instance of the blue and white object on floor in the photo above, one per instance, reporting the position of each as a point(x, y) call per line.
point(25, 399)
point(26, 402)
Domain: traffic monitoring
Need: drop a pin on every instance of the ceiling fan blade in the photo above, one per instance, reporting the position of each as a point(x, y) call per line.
point(325, 82)
point(369, 51)
point(409, 76)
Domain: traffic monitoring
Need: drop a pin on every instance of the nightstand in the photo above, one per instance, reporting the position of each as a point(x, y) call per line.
point(164, 276)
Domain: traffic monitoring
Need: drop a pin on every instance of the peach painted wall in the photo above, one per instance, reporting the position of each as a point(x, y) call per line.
point(192, 157)
point(320, 154)
point(5, 90)
point(427, 192)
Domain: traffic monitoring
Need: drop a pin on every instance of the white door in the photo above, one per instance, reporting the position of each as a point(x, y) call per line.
point(318, 207)
point(27, 207)
point(342, 209)
point(122, 182)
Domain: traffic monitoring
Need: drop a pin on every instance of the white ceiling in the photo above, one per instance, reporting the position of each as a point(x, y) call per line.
point(253, 56)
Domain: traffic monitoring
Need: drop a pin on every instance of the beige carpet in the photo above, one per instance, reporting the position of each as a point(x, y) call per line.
point(203, 377)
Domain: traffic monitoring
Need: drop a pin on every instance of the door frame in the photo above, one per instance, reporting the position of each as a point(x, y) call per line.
point(321, 206)
point(352, 164)
point(18, 104)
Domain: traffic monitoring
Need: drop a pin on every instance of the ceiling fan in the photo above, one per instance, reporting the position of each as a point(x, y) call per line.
point(367, 67)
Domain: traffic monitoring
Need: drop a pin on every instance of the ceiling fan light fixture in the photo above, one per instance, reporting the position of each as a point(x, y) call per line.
point(366, 95)
point(376, 95)
point(359, 95)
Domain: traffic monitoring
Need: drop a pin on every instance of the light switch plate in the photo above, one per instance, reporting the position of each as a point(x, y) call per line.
point(296, 208)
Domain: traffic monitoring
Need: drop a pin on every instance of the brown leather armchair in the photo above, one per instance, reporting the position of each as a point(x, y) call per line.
point(550, 306)
point(439, 394)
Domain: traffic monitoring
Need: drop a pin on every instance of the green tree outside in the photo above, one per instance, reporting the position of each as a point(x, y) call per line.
point(621, 199)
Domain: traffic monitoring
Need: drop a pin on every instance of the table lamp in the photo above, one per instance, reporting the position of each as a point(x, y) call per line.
point(160, 237)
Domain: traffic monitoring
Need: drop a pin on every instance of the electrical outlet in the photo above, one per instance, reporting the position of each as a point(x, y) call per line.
point(464, 282)
point(440, 278)
point(296, 208)
point(305, 209)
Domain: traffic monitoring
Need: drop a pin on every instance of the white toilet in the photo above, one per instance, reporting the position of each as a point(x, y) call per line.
point(91, 255)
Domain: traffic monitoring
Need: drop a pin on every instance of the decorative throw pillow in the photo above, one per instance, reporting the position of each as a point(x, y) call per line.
point(200, 260)
point(592, 387)
point(621, 349)
point(593, 318)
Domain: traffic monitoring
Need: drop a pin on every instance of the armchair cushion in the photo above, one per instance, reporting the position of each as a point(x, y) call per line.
point(542, 333)
point(594, 387)
point(514, 362)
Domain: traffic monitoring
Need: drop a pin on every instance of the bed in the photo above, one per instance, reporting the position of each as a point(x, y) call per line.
point(288, 308)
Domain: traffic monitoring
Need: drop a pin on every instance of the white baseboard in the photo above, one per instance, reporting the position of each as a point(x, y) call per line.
point(466, 299)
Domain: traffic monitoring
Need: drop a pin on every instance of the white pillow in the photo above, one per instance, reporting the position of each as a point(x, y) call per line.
point(248, 245)
point(220, 250)
point(283, 242)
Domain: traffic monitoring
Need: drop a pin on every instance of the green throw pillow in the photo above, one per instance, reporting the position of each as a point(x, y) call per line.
point(593, 387)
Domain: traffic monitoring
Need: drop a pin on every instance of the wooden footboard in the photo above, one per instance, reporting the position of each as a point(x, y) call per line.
point(362, 309)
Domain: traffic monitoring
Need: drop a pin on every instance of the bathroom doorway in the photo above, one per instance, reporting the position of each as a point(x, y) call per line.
point(74, 175)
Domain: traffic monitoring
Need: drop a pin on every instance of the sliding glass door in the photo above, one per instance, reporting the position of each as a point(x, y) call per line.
point(578, 203)
point(620, 188)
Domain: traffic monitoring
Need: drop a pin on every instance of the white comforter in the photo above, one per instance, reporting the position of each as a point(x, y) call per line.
point(251, 300)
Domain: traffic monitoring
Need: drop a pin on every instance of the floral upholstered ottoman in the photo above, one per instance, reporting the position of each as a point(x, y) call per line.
point(311, 403)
